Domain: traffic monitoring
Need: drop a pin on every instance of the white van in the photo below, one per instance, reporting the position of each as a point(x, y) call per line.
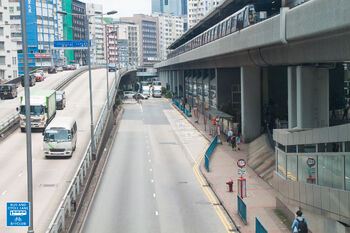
point(60, 137)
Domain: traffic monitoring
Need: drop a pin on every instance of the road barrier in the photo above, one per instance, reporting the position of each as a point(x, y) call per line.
point(242, 209)
point(259, 227)
point(13, 119)
point(70, 198)
point(209, 152)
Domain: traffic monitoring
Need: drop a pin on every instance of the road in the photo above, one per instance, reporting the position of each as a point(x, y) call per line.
point(148, 184)
point(51, 177)
point(8, 106)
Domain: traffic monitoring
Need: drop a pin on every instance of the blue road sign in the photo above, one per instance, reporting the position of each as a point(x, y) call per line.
point(70, 44)
point(18, 214)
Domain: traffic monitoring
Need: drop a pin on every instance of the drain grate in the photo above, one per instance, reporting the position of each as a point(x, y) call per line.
point(48, 185)
point(168, 143)
point(182, 182)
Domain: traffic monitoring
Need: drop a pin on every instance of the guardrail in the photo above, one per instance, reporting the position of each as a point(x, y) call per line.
point(14, 118)
point(259, 227)
point(63, 211)
point(242, 209)
point(209, 152)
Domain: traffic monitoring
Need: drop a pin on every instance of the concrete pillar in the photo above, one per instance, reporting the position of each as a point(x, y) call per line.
point(178, 82)
point(173, 81)
point(292, 97)
point(250, 102)
point(181, 84)
point(312, 97)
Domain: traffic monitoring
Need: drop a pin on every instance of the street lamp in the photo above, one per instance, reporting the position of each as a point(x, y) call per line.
point(92, 148)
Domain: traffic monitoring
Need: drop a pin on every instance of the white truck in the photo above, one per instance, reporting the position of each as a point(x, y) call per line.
point(42, 109)
point(157, 91)
point(146, 90)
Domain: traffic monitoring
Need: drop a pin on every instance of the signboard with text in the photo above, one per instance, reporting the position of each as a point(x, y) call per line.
point(17, 214)
point(71, 44)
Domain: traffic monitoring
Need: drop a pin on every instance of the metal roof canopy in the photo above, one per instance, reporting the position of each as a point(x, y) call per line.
point(224, 10)
point(220, 114)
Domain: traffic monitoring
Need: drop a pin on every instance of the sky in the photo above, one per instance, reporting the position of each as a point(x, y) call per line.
point(125, 7)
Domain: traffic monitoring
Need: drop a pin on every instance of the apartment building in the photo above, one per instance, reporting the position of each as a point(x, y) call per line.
point(170, 28)
point(97, 34)
point(197, 9)
point(8, 47)
point(79, 30)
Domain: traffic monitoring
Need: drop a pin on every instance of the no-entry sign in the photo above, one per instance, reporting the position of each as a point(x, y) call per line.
point(241, 163)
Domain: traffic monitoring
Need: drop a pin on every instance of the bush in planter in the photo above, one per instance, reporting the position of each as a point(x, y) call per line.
point(163, 90)
point(169, 95)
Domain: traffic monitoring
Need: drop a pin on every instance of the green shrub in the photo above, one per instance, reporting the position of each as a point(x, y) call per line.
point(163, 90)
point(169, 94)
point(118, 101)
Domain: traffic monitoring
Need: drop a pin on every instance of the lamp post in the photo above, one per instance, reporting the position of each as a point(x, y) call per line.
point(27, 108)
point(93, 147)
point(107, 68)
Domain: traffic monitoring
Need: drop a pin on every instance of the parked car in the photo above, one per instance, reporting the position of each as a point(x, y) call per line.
point(39, 77)
point(59, 68)
point(32, 80)
point(71, 67)
point(8, 91)
point(111, 68)
point(128, 94)
point(65, 67)
point(140, 96)
point(60, 100)
point(52, 70)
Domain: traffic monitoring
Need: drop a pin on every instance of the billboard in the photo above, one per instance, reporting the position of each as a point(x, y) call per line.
point(32, 32)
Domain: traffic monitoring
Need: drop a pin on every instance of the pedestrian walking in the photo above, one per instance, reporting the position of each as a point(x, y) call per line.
point(299, 224)
point(229, 135)
point(233, 142)
point(238, 141)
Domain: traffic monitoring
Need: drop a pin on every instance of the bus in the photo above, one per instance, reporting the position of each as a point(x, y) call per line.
point(60, 137)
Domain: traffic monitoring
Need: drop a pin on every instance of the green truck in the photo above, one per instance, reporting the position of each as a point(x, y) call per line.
point(42, 109)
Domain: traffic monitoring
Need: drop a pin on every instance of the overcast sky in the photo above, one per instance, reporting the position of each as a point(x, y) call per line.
point(125, 7)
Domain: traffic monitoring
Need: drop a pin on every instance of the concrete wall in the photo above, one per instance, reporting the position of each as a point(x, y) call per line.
point(251, 102)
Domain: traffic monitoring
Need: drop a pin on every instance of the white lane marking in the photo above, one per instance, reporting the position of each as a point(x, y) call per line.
point(141, 107)
point(149, 160)
point(150, 169)
point(154, 195)
point(148, 153)
point(20, 174)
point(4, 192)
point(157, 213)
point(152, 181)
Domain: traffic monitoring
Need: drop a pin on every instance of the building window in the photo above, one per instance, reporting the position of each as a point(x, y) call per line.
point(2, 60)
point(306, 173)
point(14, 74)
point(14, 61)
point(330, 171)
point(281, 163)
point(0, 16)
point(2, 45)
point(292, 163)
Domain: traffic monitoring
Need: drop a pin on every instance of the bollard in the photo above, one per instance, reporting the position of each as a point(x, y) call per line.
point(230, 185)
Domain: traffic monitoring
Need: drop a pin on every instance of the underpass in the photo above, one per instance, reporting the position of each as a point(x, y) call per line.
point(51, 177)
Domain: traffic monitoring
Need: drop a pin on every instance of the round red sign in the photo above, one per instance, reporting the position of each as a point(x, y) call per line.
point(311, 162)
point(241, 163)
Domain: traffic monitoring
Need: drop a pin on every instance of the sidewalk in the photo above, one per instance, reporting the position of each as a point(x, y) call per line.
point(260, 199)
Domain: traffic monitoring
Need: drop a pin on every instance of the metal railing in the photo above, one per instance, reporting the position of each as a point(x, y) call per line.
point(209, 152)
point(259, 227)
point(13, 119)
point(242, 209)
point(64, 209)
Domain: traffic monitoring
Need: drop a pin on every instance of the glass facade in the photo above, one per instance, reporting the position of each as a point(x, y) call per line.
point(347, 172)
point(212, 92)
point(292, 167)
point(330, 171)
point(281, 163)
point(206, 88)
point(305, 173)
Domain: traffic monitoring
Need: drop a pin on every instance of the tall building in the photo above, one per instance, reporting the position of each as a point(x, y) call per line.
point(96, 29)
point(79, 30)
point(44, 26)
point(197, 9)
point(170, 28)
point(147, 37)
point(68, 29)
point(175, 7)
point(112, 43)
point(8, 47)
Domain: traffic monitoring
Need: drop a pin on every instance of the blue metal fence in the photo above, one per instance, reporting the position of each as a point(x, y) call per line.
point(242, 209)
point(259, 227)
point(209, 152)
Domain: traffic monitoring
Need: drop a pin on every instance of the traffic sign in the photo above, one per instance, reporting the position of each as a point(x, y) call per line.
point(241, 171)
point(18, 214)
point(241, 163)
point(71, 44)
point(311, 162)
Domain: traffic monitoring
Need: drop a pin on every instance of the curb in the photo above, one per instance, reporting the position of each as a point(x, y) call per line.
point(200, 169)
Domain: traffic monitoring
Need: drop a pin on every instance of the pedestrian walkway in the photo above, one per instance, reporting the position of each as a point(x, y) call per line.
point(260, 199)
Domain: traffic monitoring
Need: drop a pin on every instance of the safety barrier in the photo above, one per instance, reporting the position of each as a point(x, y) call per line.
point(209, 152)
point(259, 227)
point(14, 118)
point(58, 222)
point(242, 209)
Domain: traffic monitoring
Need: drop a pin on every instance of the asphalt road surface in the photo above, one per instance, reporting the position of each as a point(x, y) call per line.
point(51, 177)
point(148, 184)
